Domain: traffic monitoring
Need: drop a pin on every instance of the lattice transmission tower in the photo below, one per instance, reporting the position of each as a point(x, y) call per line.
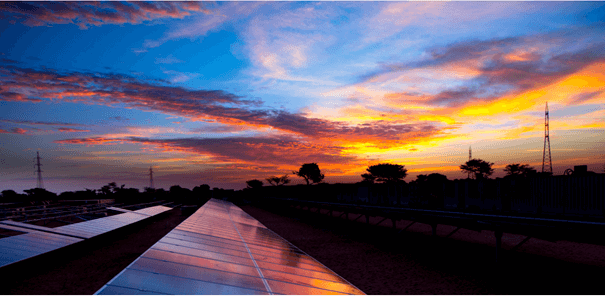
point(39, 184)
point(546, 156)
point(470, 156)
point(151, 178)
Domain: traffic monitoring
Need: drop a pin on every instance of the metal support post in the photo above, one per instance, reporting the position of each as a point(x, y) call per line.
point(394, 223)
point(367, 219)
point(434, 228)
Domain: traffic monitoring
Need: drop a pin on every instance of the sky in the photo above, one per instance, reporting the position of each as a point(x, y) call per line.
point(219, 93)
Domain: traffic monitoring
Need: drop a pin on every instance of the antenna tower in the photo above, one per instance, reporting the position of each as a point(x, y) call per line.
point(151, 178)
point(546, 143)
point(39, 184)
point(470, 156)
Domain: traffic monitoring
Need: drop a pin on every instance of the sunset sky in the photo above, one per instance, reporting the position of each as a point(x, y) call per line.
point(220, 93)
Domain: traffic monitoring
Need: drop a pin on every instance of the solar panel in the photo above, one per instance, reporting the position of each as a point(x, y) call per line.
point(99, 226)
point(23, 246)
point(40, 239)
point(119, 209)
point(151, 211)
point(220, 249)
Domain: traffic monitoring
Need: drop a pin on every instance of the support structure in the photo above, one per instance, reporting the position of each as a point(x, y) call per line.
point(151, 178)
point(546, 143)
point(470, 156)
point(39, 184)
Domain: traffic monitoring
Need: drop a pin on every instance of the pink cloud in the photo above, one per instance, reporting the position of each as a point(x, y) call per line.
point(201, 105)
point(17, 130)
point(85, 14)
point(72, 130)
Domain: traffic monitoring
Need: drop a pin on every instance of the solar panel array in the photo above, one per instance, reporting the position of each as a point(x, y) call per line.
point(39, 239)
point(222, 250)
point(88, 229)
point(23, 246)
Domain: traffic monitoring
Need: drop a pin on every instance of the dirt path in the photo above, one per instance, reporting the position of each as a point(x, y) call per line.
point(83, 268)
point(379, 261)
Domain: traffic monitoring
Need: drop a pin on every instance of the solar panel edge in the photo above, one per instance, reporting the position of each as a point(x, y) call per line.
point(262, 260)
point(268, 278)
point(252, 257)
point(207, 281)
point(121, 272)
point(321, 264)
point(279, 276)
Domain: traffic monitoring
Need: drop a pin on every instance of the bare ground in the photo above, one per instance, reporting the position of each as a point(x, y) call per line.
point(373, 258)
point(378, 260)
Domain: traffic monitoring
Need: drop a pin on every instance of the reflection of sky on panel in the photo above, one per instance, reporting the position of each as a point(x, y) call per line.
point(39, 239)
point(33, 243)
point(221, 249)
point(98, 226)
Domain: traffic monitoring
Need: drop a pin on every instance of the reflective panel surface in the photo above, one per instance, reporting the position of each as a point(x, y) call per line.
point(39, 239)
point(220, 249)
point(23, 246)
point(151, 211)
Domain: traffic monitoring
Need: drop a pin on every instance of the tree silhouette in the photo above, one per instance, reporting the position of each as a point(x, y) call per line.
point(10, 195)
point(275, 181)
point(254, 183)
point(310, 171)
point(111, 188)
point(39, 194)
point(385, 172)
point(480, 168)
point(436, 178)
point(517, 169)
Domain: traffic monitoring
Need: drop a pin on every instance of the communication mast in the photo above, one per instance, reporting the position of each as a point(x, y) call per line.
point(151, 178)
point(546, 143)
point(470, 156)
point(39, 184)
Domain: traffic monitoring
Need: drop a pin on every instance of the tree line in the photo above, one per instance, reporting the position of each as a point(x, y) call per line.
point(392, 173)
point(118, 192)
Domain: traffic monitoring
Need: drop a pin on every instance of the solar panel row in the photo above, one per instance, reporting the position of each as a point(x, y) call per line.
point(40, 239)
point(222, 250)
point(19, 247)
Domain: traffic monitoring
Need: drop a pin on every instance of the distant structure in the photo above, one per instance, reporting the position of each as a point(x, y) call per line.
point(39, 184)
point(470, 156)
point(151, 178)
point(546, 143)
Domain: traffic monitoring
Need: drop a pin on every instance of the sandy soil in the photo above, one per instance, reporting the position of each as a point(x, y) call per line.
point(378, 260)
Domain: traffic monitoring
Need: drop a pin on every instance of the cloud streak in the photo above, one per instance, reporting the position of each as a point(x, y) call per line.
point(263, 151)
point(85, 14)
point(204, 105)
point(18, 131)
point(501, 68)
